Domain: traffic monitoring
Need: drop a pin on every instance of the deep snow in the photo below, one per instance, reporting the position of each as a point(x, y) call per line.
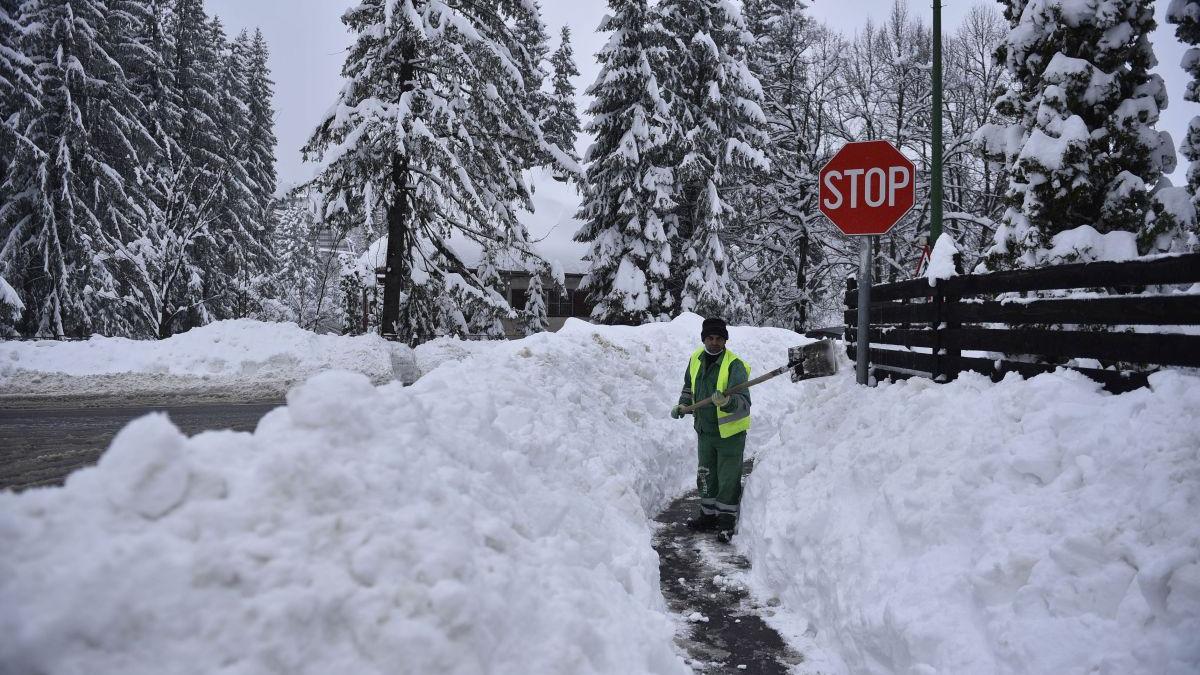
point(495, 518)
point(242, 359)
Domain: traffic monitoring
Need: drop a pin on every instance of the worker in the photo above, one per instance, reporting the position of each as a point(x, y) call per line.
point(720, 428)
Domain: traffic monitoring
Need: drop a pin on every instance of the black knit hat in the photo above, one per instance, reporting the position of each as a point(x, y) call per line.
point(714, 326)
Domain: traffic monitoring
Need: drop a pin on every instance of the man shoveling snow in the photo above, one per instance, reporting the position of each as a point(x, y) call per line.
point(720, 429)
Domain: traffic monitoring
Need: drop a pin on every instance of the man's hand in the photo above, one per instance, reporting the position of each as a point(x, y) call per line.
point(677, 412)
point(719, 399)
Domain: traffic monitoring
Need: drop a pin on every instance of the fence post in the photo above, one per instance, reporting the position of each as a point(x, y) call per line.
point(939, 353)
point(950, 321)
point(851, 335)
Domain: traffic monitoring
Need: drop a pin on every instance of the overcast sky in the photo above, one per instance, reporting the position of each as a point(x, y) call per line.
point(308, 42)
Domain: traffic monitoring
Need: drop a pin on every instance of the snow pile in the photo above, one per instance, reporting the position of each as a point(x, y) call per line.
point(1026, 527)
point(941, 260)
point(236, 359)
point(491, 518)
point(1084, 243)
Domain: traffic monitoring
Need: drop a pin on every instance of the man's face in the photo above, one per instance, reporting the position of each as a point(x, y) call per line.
point(713, 344)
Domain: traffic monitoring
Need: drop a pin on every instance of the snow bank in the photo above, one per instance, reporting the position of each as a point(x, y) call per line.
point(491, 518)
point(238, 359)
point(1025, 527)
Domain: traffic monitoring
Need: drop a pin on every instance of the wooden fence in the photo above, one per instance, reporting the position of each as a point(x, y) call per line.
point(919, 330)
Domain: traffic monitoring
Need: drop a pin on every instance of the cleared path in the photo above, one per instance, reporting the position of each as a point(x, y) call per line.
point(42, 446)
point(727, 633)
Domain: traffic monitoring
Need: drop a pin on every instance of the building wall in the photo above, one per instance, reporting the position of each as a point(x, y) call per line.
point(559, 309)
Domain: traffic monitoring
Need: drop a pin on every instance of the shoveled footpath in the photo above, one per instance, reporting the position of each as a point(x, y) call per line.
point(726, 632)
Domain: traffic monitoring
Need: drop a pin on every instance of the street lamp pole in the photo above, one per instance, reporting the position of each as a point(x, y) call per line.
point(935, 189)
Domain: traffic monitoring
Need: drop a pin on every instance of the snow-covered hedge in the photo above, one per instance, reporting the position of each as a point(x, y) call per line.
point(1038, 526)
point(229, 359)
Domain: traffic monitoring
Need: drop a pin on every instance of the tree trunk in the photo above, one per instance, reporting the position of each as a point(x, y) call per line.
point(801, 283)
point(399, 232)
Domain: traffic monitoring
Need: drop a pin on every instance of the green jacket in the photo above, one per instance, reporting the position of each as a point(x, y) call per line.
point(706, 384)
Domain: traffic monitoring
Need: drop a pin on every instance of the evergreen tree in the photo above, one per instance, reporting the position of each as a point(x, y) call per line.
point(487, 306)
point(1173, 224)
point(1185, 14)
point(18, 92)
point(1083, 150)
point(534, 315)
point(717, 102)
point(78, 194)
point(243, 255)
point(261, 145)
point(297, 278)
point(629, 182)
point(779, 211)
point(562, 124)
point(433, 125)
point(202, 167)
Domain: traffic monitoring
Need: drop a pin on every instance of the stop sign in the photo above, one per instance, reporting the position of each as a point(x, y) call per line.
point(867, 187)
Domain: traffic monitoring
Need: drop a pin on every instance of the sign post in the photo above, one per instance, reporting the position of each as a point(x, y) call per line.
point(864, 190)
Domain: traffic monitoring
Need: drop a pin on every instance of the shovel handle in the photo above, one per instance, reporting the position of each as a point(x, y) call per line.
point(739, 387)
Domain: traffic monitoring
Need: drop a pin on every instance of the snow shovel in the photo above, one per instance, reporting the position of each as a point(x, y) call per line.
point(816, 359)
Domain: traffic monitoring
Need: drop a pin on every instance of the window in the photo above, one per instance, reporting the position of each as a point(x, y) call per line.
point(580, 307)
point(560, 303)
point(519, 297)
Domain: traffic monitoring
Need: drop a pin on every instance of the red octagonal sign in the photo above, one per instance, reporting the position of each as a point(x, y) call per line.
point(867, 187)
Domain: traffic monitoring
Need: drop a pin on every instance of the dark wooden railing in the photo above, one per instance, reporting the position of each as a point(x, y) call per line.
point(923, 330)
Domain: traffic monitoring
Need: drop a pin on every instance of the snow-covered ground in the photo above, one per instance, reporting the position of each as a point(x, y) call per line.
point(231, 360)
point(495, 518)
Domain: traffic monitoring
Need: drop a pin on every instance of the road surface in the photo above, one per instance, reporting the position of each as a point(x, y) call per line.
point(42, 446)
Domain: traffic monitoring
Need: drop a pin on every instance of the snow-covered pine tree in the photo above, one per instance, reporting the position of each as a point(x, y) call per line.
point(717, 102)
point(202, 166)
point(262, 141)
point(562, 124)
point(242, 256)
point(434, 124)
point(298, 281)
point(1083, 151)
point(18, 92)
point(629, 181)
point(778, 212)
point(1172, 224)
point(1185, 14)
point(485, 310)
point(534, 317)
point(79, 197)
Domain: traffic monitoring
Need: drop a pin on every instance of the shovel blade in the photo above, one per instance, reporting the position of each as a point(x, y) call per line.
point(816, 359)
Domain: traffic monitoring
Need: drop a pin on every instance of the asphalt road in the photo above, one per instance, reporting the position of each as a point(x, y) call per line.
point(42, 446)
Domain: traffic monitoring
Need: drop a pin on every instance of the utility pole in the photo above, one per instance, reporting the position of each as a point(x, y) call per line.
point(935, 188)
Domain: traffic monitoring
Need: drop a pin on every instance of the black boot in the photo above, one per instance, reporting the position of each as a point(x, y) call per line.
point(726, 526)
point(704, 522)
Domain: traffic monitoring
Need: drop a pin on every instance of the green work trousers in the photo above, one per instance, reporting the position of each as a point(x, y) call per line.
point(719, 473)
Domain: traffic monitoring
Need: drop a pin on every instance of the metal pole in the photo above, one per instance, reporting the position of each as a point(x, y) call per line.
point(935, 189)
point(863, 345)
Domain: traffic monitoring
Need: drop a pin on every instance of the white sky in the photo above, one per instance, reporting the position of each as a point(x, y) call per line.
point(307, 42)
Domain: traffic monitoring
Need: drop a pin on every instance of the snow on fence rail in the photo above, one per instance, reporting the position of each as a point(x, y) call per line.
point(930, 331)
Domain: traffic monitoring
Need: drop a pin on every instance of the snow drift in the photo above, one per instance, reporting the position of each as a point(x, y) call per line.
point(1039, 526)
point(495, 518)
point(238, 360)
point(491, 518)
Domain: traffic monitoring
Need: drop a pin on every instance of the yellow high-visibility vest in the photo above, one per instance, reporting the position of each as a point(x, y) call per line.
point(728, 423)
